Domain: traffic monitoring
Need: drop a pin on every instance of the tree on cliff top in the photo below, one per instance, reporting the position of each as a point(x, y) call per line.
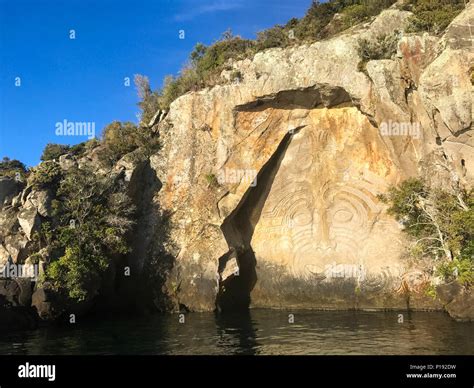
point(149, 100)
point(11, 168)
point(54, 151)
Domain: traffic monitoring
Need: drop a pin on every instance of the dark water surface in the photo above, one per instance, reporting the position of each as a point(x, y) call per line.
point(258, 332)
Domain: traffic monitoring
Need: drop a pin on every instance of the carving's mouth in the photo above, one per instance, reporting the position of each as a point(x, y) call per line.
point(315, 271)
point(315, 265)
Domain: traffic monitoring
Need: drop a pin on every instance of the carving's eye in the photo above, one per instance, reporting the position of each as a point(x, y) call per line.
point(343, 215)
point(301, 217)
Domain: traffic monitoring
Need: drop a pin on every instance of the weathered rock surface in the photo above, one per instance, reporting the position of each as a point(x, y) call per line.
point(66, 162)
point(29, 220)
point(41, 200)
point(45, 301)
point(4, 256)
point(17, 291)
point(15, 305)
point(458, 301)
point(9, 188)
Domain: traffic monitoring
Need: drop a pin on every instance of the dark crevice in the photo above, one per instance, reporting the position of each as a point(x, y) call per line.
point(238, 228)
point(409, 90)
point(462, 131)
point(303, 98)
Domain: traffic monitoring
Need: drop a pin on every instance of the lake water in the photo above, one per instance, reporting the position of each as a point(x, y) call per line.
point(258, 332)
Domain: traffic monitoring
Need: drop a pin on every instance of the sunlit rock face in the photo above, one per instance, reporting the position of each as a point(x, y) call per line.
point(322, 210)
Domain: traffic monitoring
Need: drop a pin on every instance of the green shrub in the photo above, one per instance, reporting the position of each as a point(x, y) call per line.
point(77, 274)
point(236, 76)
point(209, 66)
point(433, 15)
point(431, 291)
point(277, 36)
point(46, 174)
point(102, 215)
point(12, 168)
point(146, 143)
point(173, 87)
point(382, 47)
point(374, 7)
point(206, 64)
point(79, 149)
point(120, 139)
point(211, 180)
point(54, 151)
point(440, 222)
point(354, 14)
point(317, 17)
point(461, 270)
point(198, 52)
point(314, 25)
point(44, 236)
point(149, 100)
point(116, 140)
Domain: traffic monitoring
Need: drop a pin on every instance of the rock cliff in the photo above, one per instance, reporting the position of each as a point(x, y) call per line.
point(272, 181)
point(269, 183)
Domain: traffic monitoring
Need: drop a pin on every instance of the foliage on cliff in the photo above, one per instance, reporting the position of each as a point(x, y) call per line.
point(433, 15)
point(120, 138)
point(92, 212)
point(12, 168)
point(54, 151)
point(382, 47)
point(92, 216)
point(441, 224)
point(46, 174)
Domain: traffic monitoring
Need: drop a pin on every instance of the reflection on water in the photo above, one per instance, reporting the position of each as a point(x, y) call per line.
point(256, 332)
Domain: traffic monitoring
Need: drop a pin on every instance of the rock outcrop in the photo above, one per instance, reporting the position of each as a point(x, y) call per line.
point(458, 301)
point(9, 188)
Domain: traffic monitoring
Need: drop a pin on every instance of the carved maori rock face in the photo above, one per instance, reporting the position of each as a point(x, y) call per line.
point(322, 218)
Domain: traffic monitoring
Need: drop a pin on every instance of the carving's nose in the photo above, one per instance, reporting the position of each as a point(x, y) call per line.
point(322, 237)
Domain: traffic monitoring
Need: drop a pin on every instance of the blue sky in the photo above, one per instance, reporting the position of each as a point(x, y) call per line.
point(82, 79)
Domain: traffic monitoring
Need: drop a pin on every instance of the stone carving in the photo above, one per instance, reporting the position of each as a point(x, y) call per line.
point(322, 217)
